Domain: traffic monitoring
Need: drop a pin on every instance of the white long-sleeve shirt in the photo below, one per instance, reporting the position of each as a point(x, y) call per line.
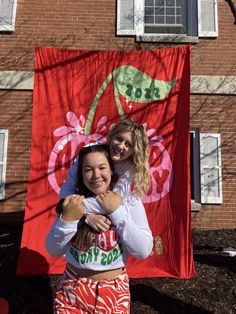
point(130, 234)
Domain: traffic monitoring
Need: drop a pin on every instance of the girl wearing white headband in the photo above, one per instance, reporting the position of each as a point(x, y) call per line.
point(95, 279)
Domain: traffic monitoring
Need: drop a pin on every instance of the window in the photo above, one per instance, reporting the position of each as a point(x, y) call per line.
point(177, 20)
point(3, 161)
point(205, 163)
point(7, 15)
point(165, 17)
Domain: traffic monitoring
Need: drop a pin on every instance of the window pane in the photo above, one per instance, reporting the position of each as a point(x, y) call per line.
point(210, 151)
point(126, 15)
point(159, 2)
point(149, 11)
point(178, 11)
point(159, 11)
point(149, 2)
point(170, 11)
point(169, 17)
point(159, 20)
point(6, 12)
point(211, 182)
point(170, 3)
point(170, 20)
point(178, 20)
point(208, 19)
point(163, 29)
point(149, 19)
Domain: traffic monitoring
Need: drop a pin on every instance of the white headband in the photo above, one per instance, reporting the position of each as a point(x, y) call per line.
point(94, 143)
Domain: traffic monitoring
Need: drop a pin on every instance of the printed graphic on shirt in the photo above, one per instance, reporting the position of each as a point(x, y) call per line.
point(106, 250)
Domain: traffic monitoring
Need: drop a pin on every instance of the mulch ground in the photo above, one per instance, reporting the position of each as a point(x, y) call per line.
point(213, 290)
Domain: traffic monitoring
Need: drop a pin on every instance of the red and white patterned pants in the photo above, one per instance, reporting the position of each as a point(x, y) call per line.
point(83, 295)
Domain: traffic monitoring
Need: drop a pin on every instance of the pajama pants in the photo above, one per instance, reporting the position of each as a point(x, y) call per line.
point(83, 295)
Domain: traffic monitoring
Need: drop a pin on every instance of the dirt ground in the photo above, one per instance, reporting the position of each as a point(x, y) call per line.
point(213, 290)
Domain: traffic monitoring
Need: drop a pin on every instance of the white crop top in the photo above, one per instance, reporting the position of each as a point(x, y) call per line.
point(129, 234)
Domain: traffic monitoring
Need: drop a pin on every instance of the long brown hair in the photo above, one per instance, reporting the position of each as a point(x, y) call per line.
point(85, 235)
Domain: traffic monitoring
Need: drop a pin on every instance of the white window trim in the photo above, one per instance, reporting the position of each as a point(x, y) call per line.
point(10, 27)
point(206, 199)
point(138, 19)
point(4, 163)
point(138, 30)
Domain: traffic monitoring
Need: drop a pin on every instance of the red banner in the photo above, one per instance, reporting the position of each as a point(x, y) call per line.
point(77, 96)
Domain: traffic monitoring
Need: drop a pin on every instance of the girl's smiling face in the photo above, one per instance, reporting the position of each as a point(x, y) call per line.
point(121, 146)
point(96, 172)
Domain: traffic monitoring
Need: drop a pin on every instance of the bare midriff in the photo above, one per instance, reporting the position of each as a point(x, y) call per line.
point(96, 275)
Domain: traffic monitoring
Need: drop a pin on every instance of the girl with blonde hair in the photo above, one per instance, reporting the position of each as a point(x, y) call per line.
point(128, 147)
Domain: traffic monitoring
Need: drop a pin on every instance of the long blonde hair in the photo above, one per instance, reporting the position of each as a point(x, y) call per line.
point(140, 156)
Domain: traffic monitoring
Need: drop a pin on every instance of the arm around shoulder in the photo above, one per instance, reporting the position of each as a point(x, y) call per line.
point(133, 228)
point(70, 185)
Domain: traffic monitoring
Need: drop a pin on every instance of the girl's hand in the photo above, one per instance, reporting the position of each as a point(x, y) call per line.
point(109, 201)
point(73, 208)
point(99, 223)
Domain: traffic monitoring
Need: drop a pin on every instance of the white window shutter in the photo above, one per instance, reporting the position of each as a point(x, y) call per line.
point(7, 15)
point(130, 17)
point(210, 165)
point(207, 18)
point(125, 17)
point(3, 161)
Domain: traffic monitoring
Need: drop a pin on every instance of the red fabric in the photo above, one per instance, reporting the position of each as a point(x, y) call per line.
point(77, 96)
point(4, 306)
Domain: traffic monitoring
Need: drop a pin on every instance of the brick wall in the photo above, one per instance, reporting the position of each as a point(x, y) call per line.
point(217, 56)
point(91, 26)
point(216, 114)
point(16, 112)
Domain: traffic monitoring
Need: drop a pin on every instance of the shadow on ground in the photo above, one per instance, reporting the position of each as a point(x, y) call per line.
point(213, 290)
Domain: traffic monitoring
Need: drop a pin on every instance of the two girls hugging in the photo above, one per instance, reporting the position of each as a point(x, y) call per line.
point(101, 223)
